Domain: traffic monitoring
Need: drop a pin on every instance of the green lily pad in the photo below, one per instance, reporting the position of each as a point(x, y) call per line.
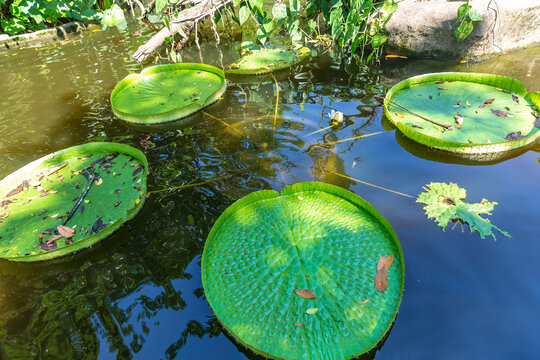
point(265, 61)
point(101, 185)
point(487, 113)
point(265, 248)
point(165, 93)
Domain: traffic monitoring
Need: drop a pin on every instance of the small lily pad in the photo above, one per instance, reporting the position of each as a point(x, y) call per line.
point(45, 205)
point(164, 93)
point(265, 61)
point(271, 260)
point(481, 109)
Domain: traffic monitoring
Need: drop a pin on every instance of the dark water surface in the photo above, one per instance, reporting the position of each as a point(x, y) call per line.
point(138, 294)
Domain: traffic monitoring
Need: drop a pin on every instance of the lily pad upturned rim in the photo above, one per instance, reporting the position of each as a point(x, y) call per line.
point(302, 53)
point(500, 81)
point(13, 179)
point(174, 114)
point(290, 190)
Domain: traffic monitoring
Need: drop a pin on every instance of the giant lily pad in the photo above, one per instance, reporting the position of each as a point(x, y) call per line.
point(164, 93)
point(487, 113)
point(69, 200)
point(265, 61)
point(267, 256)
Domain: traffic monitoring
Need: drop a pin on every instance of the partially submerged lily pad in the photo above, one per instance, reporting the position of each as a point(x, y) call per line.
point(69, 200)
point(165, 93)
point(271, 259)
point(485, 113)
point(265, 61)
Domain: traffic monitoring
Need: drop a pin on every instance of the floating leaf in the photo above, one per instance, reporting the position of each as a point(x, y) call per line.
point(305, 293)
point(457, 211)
point(312, 311)
point(129, 99)
point(484, 132)
point(290, 245)
point(264, 61)
point(69, 167)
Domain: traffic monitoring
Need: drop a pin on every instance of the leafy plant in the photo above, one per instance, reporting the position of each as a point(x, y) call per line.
point(21, 15)
point(445, 203)
point(353, 25)
point(466, 15)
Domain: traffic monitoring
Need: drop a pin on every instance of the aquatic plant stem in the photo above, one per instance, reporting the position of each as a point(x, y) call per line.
point(447, 127)
point(189, 185)
point(368, 184)
point(223, 122)
point(348, 139)
point(277, 99)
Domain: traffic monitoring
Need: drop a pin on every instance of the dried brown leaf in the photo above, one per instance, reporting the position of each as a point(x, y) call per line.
point(65, 231)
point(305, 293)
point(385, 262)
point(381, 282)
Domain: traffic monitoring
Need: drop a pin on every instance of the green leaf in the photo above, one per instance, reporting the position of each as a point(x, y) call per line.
point(463, 30)
point(113, 16)
point(436, 96)
point(377, 40)
point(268, 26)
point(279, 11)
point(261, 35)
point(256, 4)
point(13, 26)
point(474, 15)
point(301, 236)
point(181, 32)
point(263, 61)
point(312, 311)
point(243, 14)
point(294, 5)
point(146, 98)
point(462, 11)
point(40, 196)
point(160, 4)
point(311, 26)
point(445, 203)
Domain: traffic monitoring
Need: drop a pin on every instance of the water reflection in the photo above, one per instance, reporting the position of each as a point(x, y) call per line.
point(138, 293)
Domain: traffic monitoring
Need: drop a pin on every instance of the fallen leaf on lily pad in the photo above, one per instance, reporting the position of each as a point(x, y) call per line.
point(299, 324)
point(312, 311)
point(381, 282)
point(514, 136)
point(459, 121)
point(305, 293)
point(498, 113)
point(385, 262)
point(65, 231)
point(401, 115)
point(365, 302)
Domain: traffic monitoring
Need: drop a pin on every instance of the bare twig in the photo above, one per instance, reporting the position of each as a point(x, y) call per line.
point(447, 127)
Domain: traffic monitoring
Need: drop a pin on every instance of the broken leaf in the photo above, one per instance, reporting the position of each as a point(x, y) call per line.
point(514, 136)
point(444, 212)
point(305, 293)
point(381, 282)
point(385, 262)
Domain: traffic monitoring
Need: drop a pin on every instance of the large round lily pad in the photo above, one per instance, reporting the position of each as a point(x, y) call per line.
point(164, 93)
point(487, 113)
point(265, 61)
point(266, 253)
point(86, 191)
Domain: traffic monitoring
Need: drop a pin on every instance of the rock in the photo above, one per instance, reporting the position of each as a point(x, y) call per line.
point(426, 28)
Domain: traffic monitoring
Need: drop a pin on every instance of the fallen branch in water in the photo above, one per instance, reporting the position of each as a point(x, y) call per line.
point(186, 20)
point(447, 127)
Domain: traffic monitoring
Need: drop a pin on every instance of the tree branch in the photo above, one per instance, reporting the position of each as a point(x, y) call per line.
point(186, 20)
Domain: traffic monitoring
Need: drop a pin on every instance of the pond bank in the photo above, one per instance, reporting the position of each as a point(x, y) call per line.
point(40, 37)
point(426, 28)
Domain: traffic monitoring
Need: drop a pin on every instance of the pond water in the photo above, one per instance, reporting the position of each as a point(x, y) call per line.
point(138, 294)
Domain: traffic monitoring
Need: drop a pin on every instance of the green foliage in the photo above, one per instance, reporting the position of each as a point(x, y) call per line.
point(466, 14)
point(445, 203)
point(112, 16)
point(38, 14)
point(354, 24)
